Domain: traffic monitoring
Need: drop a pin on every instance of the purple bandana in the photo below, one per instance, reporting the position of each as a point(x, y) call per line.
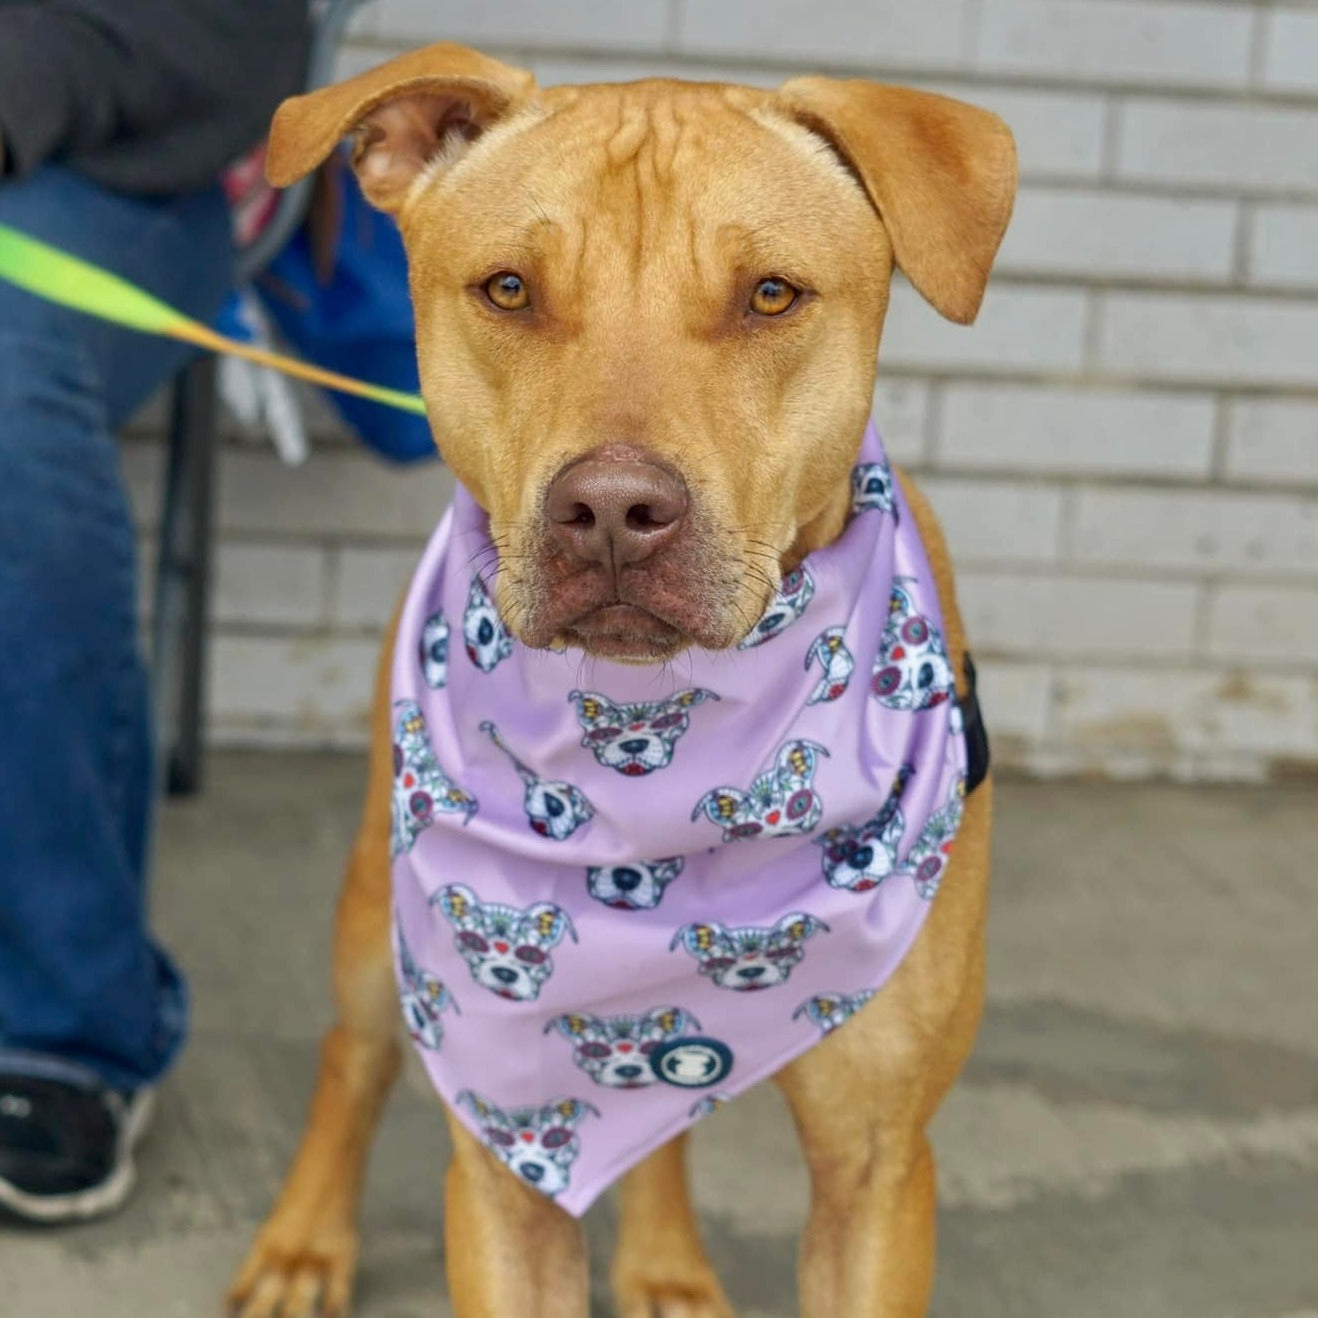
point(623, 894)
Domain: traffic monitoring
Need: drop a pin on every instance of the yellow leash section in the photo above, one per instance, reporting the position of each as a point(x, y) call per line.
point(59, 277)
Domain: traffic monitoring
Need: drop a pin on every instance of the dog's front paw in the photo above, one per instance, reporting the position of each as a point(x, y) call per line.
point(698, 1295)
point(296, 1273)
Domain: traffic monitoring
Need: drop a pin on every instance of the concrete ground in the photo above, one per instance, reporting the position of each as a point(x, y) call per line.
point(1136, 1136)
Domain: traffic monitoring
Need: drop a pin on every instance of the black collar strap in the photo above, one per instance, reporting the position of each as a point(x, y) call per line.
point(977, 745)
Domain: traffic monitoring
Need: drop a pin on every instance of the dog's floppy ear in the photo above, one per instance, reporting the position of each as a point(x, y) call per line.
point(941, 174)
point(400, 115)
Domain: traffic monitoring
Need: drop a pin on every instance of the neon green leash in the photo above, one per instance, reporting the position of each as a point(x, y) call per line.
point(72, 282)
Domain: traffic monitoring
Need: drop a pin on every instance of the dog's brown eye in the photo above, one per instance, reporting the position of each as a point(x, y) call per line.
point(772, 297)
point(508, 291)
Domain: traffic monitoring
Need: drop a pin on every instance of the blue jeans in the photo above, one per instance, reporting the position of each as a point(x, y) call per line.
point(83, 988)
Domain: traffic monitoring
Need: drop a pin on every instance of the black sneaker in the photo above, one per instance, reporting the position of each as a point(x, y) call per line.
point(66, 1150)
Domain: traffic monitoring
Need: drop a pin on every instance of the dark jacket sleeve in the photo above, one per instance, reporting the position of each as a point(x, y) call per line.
point(148, 96)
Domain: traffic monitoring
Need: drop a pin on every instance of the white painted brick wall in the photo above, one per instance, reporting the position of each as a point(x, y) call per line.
point(1283, 247)
point(893, 33)
point(1197, 532)
point(1118, 40)
point(585, 24)
point(1020, 696)
point(368, 584)
point(902, 407)
point(1247, 623)
point(1057, 617)
point(1275, 441)
point(317, 690)
point(1124, 450)
point(976, 513)
point(1088, 233)
point(339, 494)
point(1077, 432)
point(1168, 717)
point(1019, 329)
point(1291, 49)
point(271, 584)
point(1234, 146)
point(1204, 339)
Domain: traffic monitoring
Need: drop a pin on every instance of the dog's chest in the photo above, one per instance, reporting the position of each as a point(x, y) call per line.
point(618, 905)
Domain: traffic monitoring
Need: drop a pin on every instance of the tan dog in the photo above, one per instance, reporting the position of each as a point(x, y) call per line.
point(681, 286)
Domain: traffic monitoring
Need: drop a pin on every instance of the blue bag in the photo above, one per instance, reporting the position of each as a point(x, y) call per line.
point(359, 322)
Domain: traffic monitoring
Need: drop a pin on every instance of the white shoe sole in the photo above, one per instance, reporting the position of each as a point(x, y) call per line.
point(99, 1199)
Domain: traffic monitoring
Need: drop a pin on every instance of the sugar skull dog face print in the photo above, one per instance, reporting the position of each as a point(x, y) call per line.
point(871, 488)
point(422, 997)
point(829, 650)
point(553, 809)
point(635, 739)
point(749, 959)
point(615, 1050)
point(422, 790)
point(910, 669)
point(638, 886)
point(788, 604)
point(780, 801)
point(931, 851)
point(539, 1144)
point(434, 651)
point(859, 857)
point(830, 1011)
point(487, 640)
point(505, 948)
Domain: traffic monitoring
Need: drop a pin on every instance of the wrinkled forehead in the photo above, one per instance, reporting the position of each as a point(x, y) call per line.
point(653, 166)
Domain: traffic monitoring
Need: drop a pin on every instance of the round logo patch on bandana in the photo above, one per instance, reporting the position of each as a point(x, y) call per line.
point(691, 1063)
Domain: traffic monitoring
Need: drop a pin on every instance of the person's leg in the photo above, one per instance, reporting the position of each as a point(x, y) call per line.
point(84, 992)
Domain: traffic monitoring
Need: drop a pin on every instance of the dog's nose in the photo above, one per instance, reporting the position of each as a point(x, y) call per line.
point(532, 1171)
point(634, 746)
point(627, 878)
point(615, 510)
point(751, 972)
point(628, 1072)
point(503, 974)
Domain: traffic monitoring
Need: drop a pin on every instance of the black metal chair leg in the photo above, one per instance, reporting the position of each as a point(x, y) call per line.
point(183, 576)
point(183, 568)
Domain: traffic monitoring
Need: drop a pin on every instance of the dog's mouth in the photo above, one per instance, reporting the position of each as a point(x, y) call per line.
point(625, 632)
point(645, 615)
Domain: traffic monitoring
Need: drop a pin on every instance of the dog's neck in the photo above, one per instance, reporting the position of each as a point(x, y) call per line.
point(821, 530)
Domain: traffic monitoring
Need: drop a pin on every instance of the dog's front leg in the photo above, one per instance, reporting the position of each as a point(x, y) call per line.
point(303, 1261)
point(863, 1097)
point(660, 1269)
point(868, 1247)
point(511, 1252)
